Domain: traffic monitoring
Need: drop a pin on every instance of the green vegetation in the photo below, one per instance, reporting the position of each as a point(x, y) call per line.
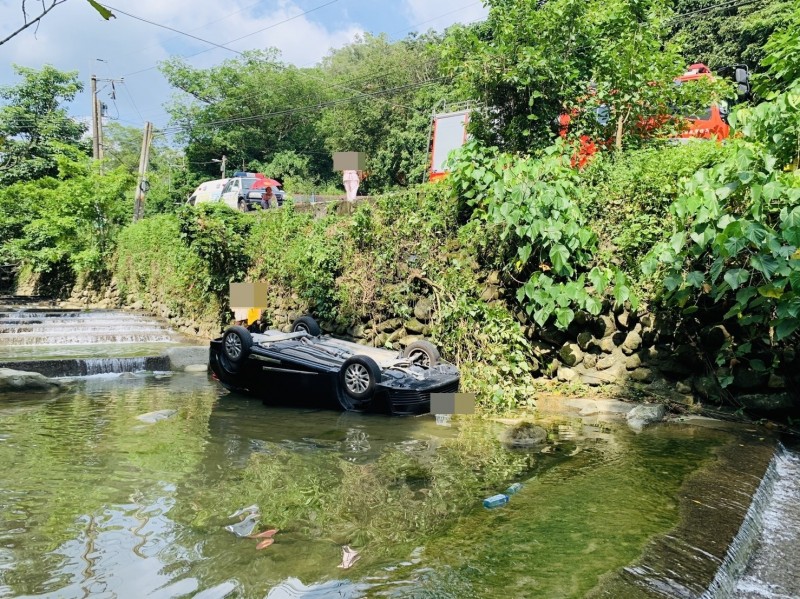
point(615, 54)
point(64, 226)
point(515, 240)
point(722, 34)
point(34, 128)
point(287, 121)
point(735, 244)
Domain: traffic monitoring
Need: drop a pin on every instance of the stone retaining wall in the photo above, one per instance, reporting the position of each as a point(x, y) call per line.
point(619, 347)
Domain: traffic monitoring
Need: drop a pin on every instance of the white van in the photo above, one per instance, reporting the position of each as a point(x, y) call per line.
point(210, 191)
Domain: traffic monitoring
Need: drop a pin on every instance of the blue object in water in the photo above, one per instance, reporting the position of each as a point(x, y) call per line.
point(495, 501)
point(515, 488)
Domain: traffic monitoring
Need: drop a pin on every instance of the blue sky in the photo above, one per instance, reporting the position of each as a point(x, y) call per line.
point(73, 37)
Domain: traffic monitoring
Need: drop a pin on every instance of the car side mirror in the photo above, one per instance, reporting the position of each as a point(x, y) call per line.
point(742, 77)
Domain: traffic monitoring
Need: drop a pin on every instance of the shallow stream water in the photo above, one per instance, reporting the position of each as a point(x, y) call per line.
point(95, 502)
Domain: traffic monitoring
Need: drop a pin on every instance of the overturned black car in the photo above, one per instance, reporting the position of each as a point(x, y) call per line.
point(305, 368)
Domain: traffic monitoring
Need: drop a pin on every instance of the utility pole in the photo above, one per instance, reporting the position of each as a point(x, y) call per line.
point(143, 185)
point(222, 164)
point(95, 119)
point(99, 111)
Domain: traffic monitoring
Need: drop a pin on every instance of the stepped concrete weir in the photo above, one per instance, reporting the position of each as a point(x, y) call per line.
point(66, 342)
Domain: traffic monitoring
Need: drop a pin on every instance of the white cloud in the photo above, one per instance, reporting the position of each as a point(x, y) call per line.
point(73, 36)
point(443, 13)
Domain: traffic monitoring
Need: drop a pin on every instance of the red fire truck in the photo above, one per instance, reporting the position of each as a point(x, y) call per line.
point(710, 123)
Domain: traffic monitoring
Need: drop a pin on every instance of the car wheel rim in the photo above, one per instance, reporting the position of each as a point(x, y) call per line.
point(420, 357)
point(233, 346)
point(356, 378)
point(301, 327)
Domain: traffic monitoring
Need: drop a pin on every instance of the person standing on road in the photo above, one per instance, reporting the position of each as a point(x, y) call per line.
point(351, 180)
point(266, 199)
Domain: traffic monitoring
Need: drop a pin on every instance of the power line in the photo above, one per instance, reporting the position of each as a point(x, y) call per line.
point(238, 38)
point(133, 103)
point(127, 14)
point(342, 85)
point(723, 6)
point(289, 111)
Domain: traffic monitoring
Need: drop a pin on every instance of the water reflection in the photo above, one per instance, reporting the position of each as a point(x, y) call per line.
point(100, 504)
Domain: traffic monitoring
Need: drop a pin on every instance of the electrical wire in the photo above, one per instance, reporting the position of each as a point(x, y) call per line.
point(143, 20)
point(238, 38)
point(288, 111)
point(133, 103)
point(723, 6)
point(345, 84)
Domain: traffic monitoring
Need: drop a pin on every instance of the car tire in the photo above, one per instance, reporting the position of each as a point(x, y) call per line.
point(236, 344)
point(422, 352)
point(243, 206)
point(358, 378)
point(307, 324)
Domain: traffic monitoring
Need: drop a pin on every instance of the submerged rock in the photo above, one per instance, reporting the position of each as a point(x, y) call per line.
point(645, 414)
point(524, 434)
point(152, 417)
point(22, 380)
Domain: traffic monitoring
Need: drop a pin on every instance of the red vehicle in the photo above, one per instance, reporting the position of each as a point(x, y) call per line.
point(713, 121)
point(710, 124)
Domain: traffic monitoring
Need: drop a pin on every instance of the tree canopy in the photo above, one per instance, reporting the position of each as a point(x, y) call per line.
point(34, 124)
point(373, 96)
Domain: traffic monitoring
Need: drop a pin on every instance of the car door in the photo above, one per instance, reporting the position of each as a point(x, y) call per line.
point(230, 193)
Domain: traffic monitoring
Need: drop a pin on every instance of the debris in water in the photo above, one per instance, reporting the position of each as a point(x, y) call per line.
point(245, 511)
point(349, 557)
point(267, 534)
point(152, 417)
point(265, 543)
point(244, 528)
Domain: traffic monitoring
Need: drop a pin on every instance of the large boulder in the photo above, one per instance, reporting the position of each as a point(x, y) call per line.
point(566, 375)
point(570, 354)
point(632, 343)
point(387, 326)
point(584, 339)
point(645, 414)
point(413, 325)
point(21, 380)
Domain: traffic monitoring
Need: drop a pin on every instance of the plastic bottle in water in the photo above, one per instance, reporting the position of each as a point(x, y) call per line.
point(495, 501)
point(515, 488)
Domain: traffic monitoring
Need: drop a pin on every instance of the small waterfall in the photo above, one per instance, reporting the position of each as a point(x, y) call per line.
point(91, 366)
point(758, 544)
point(45, 327)
point(74, 343)
point(112, 365)
point(82, 338)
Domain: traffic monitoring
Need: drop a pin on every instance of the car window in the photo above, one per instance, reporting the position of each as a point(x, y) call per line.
point(248, 183)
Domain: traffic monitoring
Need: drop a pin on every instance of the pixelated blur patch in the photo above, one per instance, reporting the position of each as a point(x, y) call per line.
point(452, 403)
point(349, 161)
point(248, 295)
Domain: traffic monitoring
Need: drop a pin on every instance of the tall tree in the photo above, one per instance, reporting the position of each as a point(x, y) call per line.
point(532, 61)
point(34, 124)
point(723, 34)
point(249, 109)
point(384, 93)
